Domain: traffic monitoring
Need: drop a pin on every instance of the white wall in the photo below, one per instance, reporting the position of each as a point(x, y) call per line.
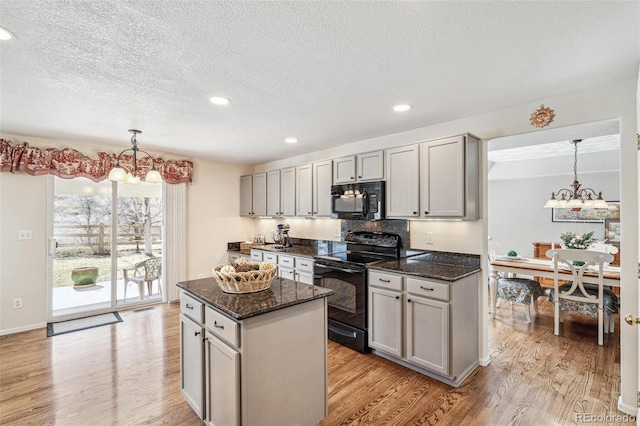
point(22, 265)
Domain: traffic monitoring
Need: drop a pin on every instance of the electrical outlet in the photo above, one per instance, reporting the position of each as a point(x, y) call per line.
point(24, 234)
point(17, 303)
point(429, 237)
point(336, 232)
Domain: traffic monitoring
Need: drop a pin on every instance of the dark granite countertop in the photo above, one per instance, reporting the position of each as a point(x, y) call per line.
point(282, 293)
point(438, 265)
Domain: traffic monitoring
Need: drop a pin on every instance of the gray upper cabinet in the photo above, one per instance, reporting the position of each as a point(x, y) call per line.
point(288, 191)
point(402, 181)
point(304, 190)
point(259, 194)
point(359, 168)
point(246, 195)
point(253, 195)
point(449, 178)
point(322, 174)
point(273, 194)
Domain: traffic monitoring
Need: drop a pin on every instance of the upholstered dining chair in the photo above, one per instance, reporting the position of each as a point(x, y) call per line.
point(517, 290)
point(143, 272)
point(577, 296)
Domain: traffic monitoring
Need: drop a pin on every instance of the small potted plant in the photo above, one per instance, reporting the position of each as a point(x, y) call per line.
point(84, 276)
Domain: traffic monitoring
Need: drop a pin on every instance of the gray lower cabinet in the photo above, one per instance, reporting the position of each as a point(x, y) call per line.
point(192, 353)
point(209, 362)
point(424, 324)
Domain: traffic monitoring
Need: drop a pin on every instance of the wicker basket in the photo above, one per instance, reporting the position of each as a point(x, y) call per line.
point(245, 282)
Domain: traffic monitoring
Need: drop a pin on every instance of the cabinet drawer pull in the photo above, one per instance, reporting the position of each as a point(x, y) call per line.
point(384, 281)
point(188, 306)
point(359, 177)
point(408, 300)
point(197, 333)
point(216, 325)
point(426, 288)
point(397, 297)
point(304, 264)
point(426, 212)
point(415, 213)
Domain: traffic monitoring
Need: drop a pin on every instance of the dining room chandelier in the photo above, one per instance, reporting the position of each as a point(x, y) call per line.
point(577, 197)
point(131, 174)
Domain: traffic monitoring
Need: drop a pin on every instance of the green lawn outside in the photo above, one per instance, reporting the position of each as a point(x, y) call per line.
point(62, 266)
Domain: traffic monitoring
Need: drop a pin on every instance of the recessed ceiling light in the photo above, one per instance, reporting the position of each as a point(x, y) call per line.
point(219, 100)
point(402, 108)
point(291, 140)
point(6, 34)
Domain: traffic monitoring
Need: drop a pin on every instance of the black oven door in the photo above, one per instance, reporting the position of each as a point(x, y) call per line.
point(349, 283)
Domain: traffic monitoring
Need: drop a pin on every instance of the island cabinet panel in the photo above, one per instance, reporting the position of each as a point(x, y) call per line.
point(191, 364)
point(284, 359)
point(223, 383)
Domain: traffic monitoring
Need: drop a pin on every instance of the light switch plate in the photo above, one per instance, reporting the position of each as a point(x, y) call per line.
point(429, 237)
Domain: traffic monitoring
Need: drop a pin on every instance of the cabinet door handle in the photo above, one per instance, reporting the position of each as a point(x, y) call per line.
point(415, 213)
point(408, 300)
point(426, 288)
point(197, 333)
point(216, 325)
point(188, 306)
point(397, 297)
point(384, 281)
point(308, 212)
point(426, 212)
point(351, 178)
point(359, 177)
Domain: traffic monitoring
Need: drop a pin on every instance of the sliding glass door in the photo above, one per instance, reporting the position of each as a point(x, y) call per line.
point(92, 268)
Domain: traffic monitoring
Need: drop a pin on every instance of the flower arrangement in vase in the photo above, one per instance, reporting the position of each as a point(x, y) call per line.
point(580, 242)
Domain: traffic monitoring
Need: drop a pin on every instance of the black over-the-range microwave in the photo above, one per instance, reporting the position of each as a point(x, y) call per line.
point(363, 201)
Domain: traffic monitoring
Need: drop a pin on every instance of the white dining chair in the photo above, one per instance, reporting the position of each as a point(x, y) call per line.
point(590, 299)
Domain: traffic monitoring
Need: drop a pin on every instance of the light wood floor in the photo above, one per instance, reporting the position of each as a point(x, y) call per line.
point(129, 374)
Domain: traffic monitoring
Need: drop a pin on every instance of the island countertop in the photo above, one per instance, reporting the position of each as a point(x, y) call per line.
point(281, 294)
point(437, 265)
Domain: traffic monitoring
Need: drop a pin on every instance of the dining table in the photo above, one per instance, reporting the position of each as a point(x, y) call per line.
point(541, 268)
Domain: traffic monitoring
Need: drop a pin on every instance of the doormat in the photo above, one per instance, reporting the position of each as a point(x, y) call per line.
point(55, 328)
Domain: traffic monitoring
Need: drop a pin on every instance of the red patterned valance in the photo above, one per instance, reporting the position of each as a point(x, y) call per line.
point(68, 163)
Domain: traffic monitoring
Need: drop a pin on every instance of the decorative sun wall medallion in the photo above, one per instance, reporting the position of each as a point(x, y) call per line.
point(542, 116)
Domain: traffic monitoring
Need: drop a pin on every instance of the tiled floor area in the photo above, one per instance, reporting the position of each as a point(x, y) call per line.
point(69, 297)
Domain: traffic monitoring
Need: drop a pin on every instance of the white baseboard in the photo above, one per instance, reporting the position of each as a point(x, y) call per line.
point(485, 361)
point(632, 410)
point(23, 328)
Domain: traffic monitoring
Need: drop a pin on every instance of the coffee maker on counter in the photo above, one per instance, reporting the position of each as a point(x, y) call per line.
point(281, 236)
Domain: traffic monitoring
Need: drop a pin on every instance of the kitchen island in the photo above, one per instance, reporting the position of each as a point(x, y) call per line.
point(257, 358)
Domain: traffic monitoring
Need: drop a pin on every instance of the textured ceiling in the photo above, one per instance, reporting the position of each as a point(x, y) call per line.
point(325, 72)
